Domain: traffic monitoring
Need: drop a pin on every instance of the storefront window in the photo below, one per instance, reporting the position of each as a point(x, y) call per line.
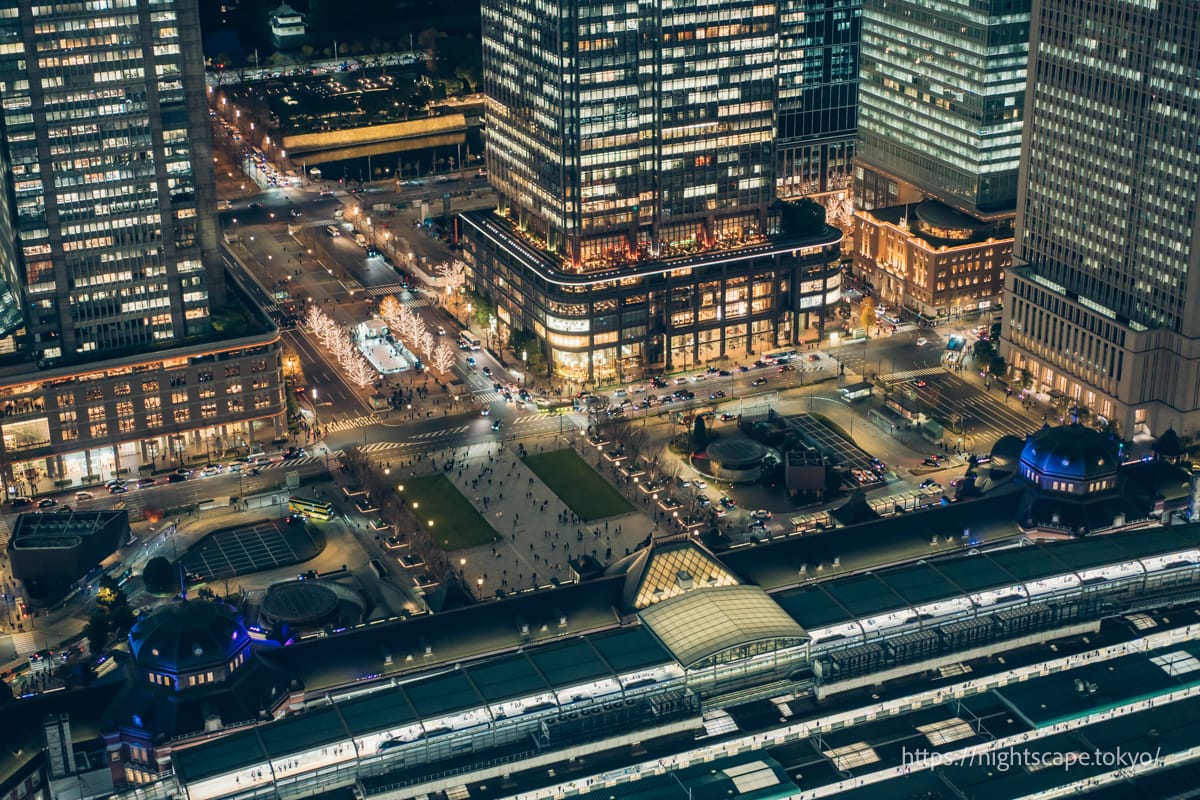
point(25, 435)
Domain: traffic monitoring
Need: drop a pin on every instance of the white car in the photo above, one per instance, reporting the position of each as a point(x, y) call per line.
point(761, 514)
point(922, 342)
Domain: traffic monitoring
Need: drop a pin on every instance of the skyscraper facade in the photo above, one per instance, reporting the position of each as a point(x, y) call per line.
point(942, 88)
point(632, 150)
point(617, 127)
point(1100, 311)
point(109, 261)
point(818, 95)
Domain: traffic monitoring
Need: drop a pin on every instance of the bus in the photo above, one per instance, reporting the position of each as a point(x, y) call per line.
point(467, 341)
point(317, 510)
point(781, 357)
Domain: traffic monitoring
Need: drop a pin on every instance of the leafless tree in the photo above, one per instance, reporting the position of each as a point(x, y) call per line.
point(454, 276)
point(317, 320)
point(426, 343)
point(359, 370)
point(443, 357)
point(411, 327)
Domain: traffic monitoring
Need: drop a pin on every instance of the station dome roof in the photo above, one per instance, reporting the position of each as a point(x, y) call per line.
point(1071, 452)
point(187, 636)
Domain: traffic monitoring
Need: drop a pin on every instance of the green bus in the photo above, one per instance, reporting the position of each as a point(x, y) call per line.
point(317, 510)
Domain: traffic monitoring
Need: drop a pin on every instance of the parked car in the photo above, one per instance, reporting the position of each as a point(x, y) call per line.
point(21, 502)
point(761, 513)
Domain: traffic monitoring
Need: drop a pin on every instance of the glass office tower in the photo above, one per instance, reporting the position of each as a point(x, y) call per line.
point(632, 149)
point(818, 95)
point(110, 272)
point(112, 192)
point(614, 127)
point(1101, 312)
point(942, 88)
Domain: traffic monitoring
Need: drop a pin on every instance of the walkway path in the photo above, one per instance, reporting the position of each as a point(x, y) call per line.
point(537, 532)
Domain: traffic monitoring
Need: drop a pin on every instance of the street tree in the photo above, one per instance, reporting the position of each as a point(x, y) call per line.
point(867, 313)
point(426, 343)
point(453, 276)
point(411, 327)
point(443, 357)
point(317, 320)
point(359, 370)
point(343, 348)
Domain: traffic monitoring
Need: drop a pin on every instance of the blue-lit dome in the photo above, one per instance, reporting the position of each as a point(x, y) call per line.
point(188, 636)
point(1070, 453)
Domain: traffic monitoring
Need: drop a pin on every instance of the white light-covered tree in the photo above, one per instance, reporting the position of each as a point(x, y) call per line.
point(443, 357)
point(343, 348)
point(426, 344)
point(317, 320)
point(359, 370)
point(453, 276)
point(411, 327)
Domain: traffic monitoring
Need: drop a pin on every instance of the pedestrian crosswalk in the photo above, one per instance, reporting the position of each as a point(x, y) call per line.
point(377, 447)
point(405, 295)
point(442, 432)
point(913, 373)
point(24, 643)
point(349, 424)
point(270, 308)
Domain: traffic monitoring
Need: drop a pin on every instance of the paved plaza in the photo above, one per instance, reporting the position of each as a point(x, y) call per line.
point(536, 533)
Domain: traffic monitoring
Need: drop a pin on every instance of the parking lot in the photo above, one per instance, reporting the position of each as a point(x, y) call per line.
point(841, 451)
point(240, 551)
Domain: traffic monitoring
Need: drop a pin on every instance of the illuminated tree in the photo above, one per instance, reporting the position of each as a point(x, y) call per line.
point(359, 370)
point(389, 311)
point(411, 327)
point(443, 357)
point(867, 312)
point(317, 320)
point(426, 344)
point(453, 276)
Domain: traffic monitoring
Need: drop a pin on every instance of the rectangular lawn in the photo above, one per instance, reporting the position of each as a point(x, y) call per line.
point(569, 477)
point(456, 523)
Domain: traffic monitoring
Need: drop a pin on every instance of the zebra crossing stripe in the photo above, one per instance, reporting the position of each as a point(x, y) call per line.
point(913, 373)
point(356, 422)
point(375, 447)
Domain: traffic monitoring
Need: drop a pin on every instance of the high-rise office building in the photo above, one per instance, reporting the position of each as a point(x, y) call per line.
point(941, 88)
point(632, 149)
point(109, 263)
point(818, 95)
point(1100, 310)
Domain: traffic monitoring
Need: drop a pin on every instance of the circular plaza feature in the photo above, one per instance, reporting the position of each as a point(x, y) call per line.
point(736, 460)
point(297, 603)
